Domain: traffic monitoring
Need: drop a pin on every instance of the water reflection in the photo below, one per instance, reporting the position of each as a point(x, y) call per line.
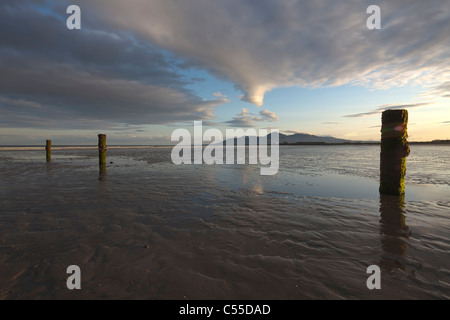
point(251, 181)
point(102, 185)
point(394, 231)
point(102, 174)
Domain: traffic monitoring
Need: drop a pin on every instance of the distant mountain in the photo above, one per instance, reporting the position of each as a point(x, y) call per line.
point(308, 138)
point(440, 142)
point(300, 138)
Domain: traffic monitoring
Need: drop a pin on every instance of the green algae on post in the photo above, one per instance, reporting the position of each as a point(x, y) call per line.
point(102, 150)
point(394, 150)
point(48, 149)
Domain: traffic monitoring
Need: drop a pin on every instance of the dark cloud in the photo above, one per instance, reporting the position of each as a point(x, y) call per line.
point(363, 114)
point(124, 65)
point(51, 77)
point(388, 107)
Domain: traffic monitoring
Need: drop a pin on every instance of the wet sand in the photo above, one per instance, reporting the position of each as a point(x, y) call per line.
point(148, 229)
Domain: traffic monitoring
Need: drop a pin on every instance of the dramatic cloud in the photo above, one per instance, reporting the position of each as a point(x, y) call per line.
point(126, 65)
point(265, 44)
point(388, 107)
point(54, 78)
point(247, 119)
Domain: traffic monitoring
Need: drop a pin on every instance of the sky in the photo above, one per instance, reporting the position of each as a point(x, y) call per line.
point(139, 69)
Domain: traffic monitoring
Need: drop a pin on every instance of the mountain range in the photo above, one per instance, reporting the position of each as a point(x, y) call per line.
point(309, 138)
point(301, 138)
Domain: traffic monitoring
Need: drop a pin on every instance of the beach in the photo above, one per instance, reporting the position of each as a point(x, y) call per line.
point(149, 229)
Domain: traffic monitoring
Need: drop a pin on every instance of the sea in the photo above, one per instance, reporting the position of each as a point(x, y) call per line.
point(147, 229)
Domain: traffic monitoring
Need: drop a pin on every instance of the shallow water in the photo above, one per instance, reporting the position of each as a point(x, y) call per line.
point(147, 229)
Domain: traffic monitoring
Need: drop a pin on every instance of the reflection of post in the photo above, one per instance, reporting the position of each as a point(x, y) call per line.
point(394, 150)
point(102, 184)
point(102, 151)
point(102, 175)
point(48, 149)
point(393, 230)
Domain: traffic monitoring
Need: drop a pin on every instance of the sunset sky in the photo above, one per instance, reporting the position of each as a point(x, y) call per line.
point(137, 70)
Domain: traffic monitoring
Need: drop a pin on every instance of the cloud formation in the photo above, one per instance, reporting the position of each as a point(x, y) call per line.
point(246, 119)
point(388, 107)
point(54, 78)
point(262, 45)
point(442, 90)
point(123, 66)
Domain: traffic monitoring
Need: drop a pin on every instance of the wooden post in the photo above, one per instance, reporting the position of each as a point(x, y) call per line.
point(394, 150)
point(102, 151)
point(48, 149)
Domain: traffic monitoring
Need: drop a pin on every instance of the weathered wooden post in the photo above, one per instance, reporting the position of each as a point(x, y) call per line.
point(48, 149)
point(394, 150)
point(102, 151)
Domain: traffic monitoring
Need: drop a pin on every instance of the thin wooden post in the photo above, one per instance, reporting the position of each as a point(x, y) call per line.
point(102, 151)
point(48, 149)
point(394, 150)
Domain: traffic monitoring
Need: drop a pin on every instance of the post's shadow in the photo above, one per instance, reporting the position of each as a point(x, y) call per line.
point(394, 231)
